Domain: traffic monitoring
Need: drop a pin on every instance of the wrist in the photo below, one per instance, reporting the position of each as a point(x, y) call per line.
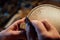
point(2, 37)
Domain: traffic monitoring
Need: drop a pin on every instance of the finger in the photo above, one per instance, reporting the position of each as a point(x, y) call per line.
point(39, 25)
point(19, 21)
point(20, 34)
point(16, 32)
point(47, 25)
point(14, 25)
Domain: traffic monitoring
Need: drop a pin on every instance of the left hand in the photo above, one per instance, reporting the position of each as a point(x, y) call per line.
point(13, 32)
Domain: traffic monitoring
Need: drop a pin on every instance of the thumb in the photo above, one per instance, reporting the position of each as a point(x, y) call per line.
point(16, 32)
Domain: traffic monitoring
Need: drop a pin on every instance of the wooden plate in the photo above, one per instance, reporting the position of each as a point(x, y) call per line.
point(46, 11)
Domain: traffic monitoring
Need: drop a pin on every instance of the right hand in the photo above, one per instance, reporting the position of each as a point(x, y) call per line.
point(46, 29)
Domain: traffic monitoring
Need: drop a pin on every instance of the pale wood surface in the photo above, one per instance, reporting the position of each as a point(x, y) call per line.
point(47, 11)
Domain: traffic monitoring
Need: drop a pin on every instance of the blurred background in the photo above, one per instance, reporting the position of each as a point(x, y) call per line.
point(12, 10)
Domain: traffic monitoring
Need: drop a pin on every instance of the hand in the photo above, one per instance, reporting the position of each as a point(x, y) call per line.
point(46, 29)
point(13, 32)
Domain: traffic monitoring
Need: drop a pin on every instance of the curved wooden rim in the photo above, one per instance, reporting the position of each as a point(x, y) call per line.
point(41, 6)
